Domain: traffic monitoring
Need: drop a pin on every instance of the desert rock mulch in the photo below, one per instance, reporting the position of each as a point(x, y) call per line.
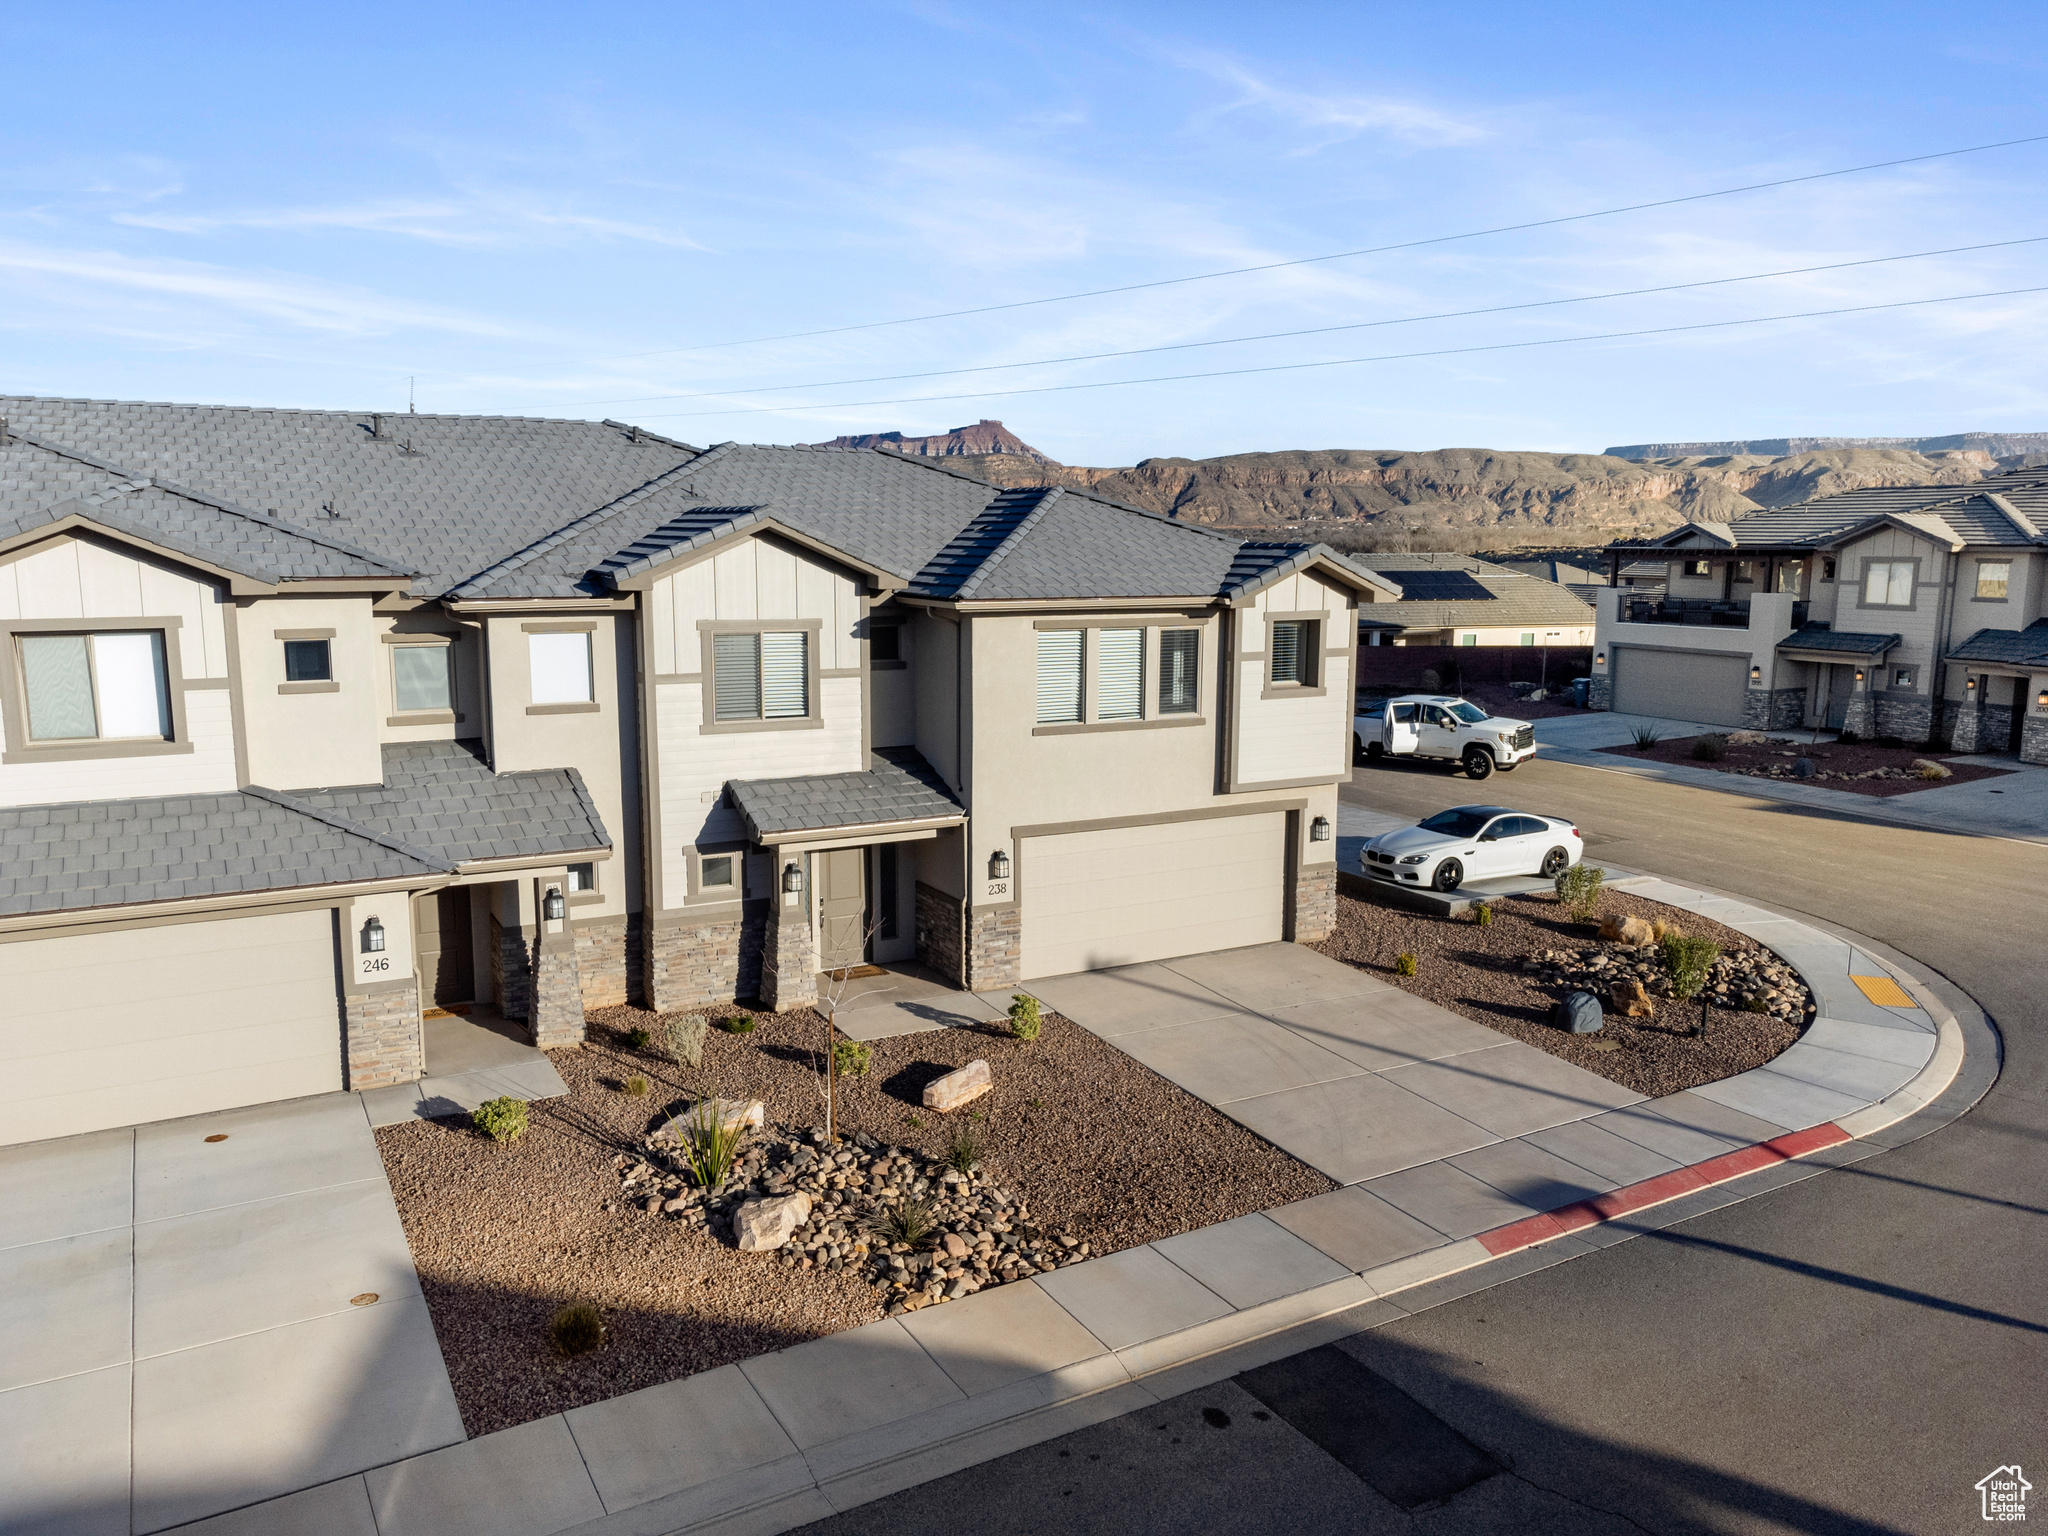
point(1098, 1148)
point(1861, 768)
point(1479, 972)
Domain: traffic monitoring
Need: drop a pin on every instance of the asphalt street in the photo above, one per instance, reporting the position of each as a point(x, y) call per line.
point(1849, 1353)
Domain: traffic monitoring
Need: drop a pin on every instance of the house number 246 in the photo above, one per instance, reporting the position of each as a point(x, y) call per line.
point(380, 963)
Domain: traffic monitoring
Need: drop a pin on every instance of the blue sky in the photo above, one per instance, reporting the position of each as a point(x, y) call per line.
point(534, 210)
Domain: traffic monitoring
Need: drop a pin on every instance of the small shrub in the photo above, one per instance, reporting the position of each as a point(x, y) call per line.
point(912, 1224)
point(1482, 914)
point(1691, 963)
point(1658, 928)
point(852, 1058)
point(1647, 736)
point(1578, 888)
point(737, 1024)
point(1710, 749)
point(1024, 1020)
point(682, 1038)
point(1849, 738)
point(577, 1329)
point(636, 1039)
point(710, 1145)
point(1033, 1104)
point(1755, 1005)
point(963, 1153)
point(914, 1121)
point(1406, 965)
point(636, 1087)
point(500, 1119)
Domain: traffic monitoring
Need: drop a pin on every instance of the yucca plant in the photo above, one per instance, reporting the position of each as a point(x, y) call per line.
point(965, 1149)
point(912, 1224)
point(710, 1144)
point(1647, 736)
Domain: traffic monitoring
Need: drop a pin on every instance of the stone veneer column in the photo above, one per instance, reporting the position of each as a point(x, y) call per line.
point(602, 949)
point(386, 1041)
point(1860, 716)
point(1600, 691)
point(691, 961)
point(789, 965)
point(1966, 730)
point(557, 992)
point(940, 928)
point(1315, 903)
point(995, 948)
point(2034, 738)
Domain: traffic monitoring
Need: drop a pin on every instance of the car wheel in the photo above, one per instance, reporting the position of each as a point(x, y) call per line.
point(1448, 875)
point(1375, 751)
point(1555, 863)
point(1478, 763)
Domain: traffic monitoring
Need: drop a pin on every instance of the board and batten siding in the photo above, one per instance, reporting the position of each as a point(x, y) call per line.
point(87, 580)
point(753, 581)
point(1282, 739)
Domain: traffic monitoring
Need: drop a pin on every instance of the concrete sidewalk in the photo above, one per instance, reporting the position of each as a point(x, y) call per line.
point(789, 1437)
point(205, 1313)
point(2013, 805)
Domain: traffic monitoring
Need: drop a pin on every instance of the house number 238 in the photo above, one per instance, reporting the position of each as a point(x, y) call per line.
point(999, 887)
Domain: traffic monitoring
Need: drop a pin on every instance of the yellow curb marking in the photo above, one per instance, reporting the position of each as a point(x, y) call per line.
point(1883, 991)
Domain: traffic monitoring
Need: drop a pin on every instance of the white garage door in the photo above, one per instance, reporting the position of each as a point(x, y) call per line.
point(1680, 685)
point(1095, 899)
point(99, 1030)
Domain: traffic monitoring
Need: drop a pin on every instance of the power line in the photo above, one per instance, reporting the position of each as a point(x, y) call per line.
point(1317, 330)
point(1373, 250)
point(1342, 362)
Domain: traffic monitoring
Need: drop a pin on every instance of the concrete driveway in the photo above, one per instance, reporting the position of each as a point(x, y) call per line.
point(187, 1320)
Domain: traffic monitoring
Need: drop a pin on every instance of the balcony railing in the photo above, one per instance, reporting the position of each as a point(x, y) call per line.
point(1698, 611)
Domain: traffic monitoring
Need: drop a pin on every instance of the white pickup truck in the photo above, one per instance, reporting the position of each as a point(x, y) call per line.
point(1435, 725)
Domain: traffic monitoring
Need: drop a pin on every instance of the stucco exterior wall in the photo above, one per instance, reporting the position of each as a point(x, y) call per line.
point(317, 739)
point(1283, 735)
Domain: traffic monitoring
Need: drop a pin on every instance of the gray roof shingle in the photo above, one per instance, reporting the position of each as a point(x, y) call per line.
point(2010, 647)
point(900, 787)
point(2002, 509)
point(441, 802)
point(1516, 598)
point(1842, 641)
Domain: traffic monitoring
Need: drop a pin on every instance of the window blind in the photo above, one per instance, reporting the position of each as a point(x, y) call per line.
point(560, 667)
point(785, 675)
point(1119, 674)
point(1890, 583)
point(1059, 676)
point(59, 681)
point(1180, 654)
point(422, 676)
point(1287, 650)
point(736, 677)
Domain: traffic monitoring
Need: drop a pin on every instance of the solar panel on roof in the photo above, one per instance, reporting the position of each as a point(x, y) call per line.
point(1440, 587)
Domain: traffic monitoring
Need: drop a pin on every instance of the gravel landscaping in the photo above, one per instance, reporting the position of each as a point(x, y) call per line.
point(1507, 974)
point(1081, 1146)
point(1861, 768)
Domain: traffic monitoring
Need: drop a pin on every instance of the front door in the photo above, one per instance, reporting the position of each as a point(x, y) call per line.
point(2018, 733)
point(447, 959)
point(842, 908)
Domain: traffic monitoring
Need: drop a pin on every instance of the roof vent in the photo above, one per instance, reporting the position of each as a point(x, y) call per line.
point(377, 428)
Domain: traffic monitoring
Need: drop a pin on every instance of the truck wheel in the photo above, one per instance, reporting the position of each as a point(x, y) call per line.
point(1375, 751)
point(1448, 875)
point(1478, 763)
point(1555, 863)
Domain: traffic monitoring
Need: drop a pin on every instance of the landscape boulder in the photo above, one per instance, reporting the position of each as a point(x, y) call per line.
point(1629, 1000)
point(1804, 768)
point(1578, 1012)
point(762, 1225)
point(956, 1088)
point(749, 1113)
point(1928, 768)
point(1625, 930)
point(1745, 738)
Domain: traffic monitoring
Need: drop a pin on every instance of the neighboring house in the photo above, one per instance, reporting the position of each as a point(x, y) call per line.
point(1582, 581)
point(313, 720)
point(1907, 611)
point(1460, 600)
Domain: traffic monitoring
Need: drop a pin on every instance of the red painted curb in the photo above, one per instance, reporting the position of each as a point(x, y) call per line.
point(1579, 1215)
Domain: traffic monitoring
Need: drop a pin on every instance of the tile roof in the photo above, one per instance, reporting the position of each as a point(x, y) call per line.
point(74, 857)
point(1514, 598)
point(440, 802)
point(2004, 509)
point(900, 787)
point(483, 507)
point(1846, 642)
point(2011, 647)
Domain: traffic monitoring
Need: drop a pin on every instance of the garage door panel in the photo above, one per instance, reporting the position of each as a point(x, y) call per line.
point(1130, 894)
point(1680, 685)
point(108, 1029)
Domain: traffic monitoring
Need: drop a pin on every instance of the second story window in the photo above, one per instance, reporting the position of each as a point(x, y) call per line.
point(1993, 579)
point(560, 666)
point(885, 644)
point(1059, 676)
point(1180, 661)
point(1888, 584)
point(106, 687)
point(582, 877)
point(308, 661)
point(1293, 658)
point(1119, 674)
point(762, 676)
point(423, 677)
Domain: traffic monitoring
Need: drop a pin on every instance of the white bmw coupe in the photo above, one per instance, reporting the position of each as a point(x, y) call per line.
point(1472, 842)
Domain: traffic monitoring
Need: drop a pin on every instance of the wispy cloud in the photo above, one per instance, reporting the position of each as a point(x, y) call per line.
point(492, 220)
point(308, 303)
point(1329, 117)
